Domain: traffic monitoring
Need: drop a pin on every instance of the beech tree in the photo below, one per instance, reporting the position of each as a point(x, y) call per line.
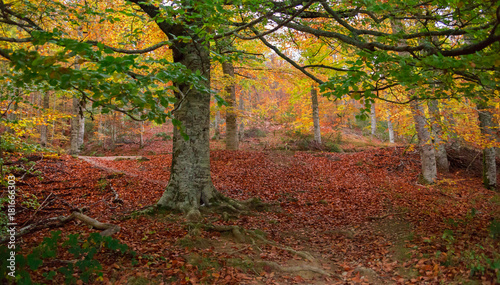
point(136, 81)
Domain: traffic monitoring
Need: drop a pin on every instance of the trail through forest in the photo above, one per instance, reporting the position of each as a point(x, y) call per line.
point(326, 218)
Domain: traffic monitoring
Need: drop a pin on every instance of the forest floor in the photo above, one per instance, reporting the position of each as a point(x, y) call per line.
point(357, 217)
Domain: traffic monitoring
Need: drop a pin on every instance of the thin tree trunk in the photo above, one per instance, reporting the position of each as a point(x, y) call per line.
point(427, 154)
point(315, 115)
point(44, 127)
point(231, 113)
point(141, 141)
point(373, 119)
point(390, 127)
point(489, 156)
point(441, 155)
point(81, 125)
point(241, 131)
point(75, 127)
point(217, 122)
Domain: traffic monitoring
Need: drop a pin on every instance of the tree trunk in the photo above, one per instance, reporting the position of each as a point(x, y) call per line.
point(44, 127)
point(441, 155)
point(390, 127)
point(241, 131)
point(75, 127)
point(190, 183)
point(427, 154)
point(315, 114)
point(141, 140)
point(489, 156)
point(217, 122)
point(81, 123)
point(373, 119)
point(231, 113)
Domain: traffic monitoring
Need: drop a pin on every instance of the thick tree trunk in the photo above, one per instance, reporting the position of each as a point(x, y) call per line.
point(190, 183)
point(427, 154)
point(315, 114)
point(75, 127)
point(231, 113)
point(44, 127)
point(441, 155)
point(373, 120)
point(390, 127)
point(489, 156)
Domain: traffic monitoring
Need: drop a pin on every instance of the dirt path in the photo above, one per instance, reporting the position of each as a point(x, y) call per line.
point(93, 160)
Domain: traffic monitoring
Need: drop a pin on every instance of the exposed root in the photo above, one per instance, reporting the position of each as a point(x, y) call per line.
point(302, 254)
point(239, 234)
point(107, 229)
point(278, 267)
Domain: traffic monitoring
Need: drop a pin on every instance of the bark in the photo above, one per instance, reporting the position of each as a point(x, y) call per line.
point(489, 156)
point(190, 183)
point(75, 127)
point(373, 119)
point(81, 125)
point(231, 113)
point(241, 107)
point(390, 127)
point(427, 154)
point(315, 115)
point(141, 141)
point(44, 127)
point(217, 123)
point(442, 163)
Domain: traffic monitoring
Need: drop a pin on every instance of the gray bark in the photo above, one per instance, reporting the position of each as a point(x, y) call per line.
point(390, 127)
point(489, 156)
point(231, 113)
point(75, 126)
point(373, 120)
point(241, 107)
point(427, 154)
point(44, 127)
point(441, 155)
point(217, 123)
point(141, 140)
point(81, 122)
point(190, 182)
point(315, 114)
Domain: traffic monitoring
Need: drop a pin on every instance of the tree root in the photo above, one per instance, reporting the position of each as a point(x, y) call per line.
point(278, 267)
point(239, 234)
point(303, 254)
point(107, 229)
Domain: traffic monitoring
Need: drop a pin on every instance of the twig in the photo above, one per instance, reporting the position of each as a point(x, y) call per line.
point(467, 169)
point(116, 199)
point(39, 208)
point(29, 170)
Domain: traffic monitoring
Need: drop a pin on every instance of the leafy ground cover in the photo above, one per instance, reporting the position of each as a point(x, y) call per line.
point(327, 218)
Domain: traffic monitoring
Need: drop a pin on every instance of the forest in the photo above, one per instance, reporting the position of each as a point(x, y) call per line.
point(249, 142)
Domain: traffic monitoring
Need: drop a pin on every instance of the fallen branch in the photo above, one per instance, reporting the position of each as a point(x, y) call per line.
point(116, 199)
point(107, 229)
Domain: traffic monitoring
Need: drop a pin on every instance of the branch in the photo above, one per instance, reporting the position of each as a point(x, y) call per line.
point(289, 60)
